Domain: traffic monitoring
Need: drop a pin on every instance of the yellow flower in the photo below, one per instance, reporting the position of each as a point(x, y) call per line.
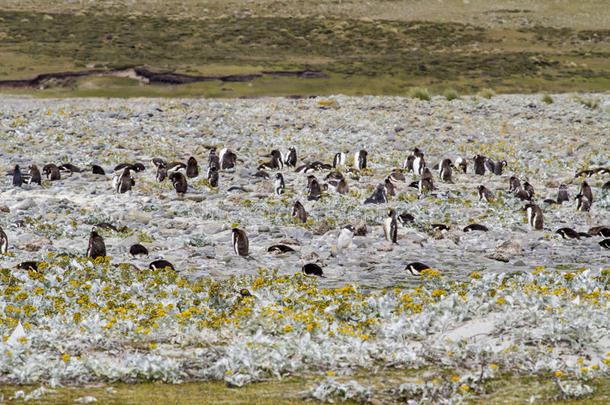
point(464, 387)
point(494, 366)
point(65, 357)
point(455, 378)
point(558, 373)
point(331, 373)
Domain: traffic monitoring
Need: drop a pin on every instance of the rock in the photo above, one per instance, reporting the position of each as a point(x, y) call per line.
point(32, 243)
point(321, 228)
point(509, 247)
point(385, 248)
point(519, 263)
point(360, 227)
point(24, 205)
point(4, 208)
point(498, 256)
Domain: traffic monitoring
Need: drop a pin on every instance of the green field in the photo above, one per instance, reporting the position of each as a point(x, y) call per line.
point(381, 47)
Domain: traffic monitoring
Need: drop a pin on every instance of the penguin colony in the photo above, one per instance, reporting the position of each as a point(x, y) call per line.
point(322, 180)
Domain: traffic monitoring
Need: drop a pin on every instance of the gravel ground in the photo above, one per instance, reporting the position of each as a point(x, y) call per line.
point(545, 144)
point(220, 317)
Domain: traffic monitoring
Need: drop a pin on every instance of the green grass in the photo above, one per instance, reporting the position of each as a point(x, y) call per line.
point(361, 56)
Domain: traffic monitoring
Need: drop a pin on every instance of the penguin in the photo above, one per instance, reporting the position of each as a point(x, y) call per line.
point(262, 174)
point(584, 204)
point(339, 159)
point(29, 265)
point(605, 243)
point(562, 194)
point(336, 176)
point(461, 164)
point(192, 168)
point(345, 237)
point(529, 189)
point(240, 242)
point(175, 167)
point(585, 190)
point(606, 186)
point(568, 233)
point(426, 174)
point(179, 182)
point(339, 186)
point(475, 227)
point(360, 159)
point(136, 167)
point(290, 159)
point(425, 185)
point(600, 231)
point(419, 164)
point(280, 249)
point(17, 177)
point(389, 186)
point(160, 265)
point(69, 168)
point(490, 165)
point(227, 159)
point(444, 171)
point(390, 227)
point(408, 165)
point(106, 226)
point(439, 227)
point(3, 242)
point(404, 218)
point(315, 191)
point(514, 184)
point(34, 175)
point(479, 164)
point(51, 171)
point(96, 169)
point(213, 159)
point(499, 167)
point(379, 196)
point(123, 181)
point(213, 176)
point(534, 216)
point(416, 268)
point(312, 269)
point(396, 177)
point(523, 195)
point(161, 173)
point(97, 247)
point(138, 250)
point(275, 162)
point(299, 211)
point(279, 184)
point(485, 194)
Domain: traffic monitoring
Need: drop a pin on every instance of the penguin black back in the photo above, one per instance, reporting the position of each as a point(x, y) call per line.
point(160, 265)
point(97, 247)
point(479, 164)
point(34, 175)
point(312, 269)
point(51, 171)
point(240, 242)
point(138, 250)
point(299, 211)
point(192, 168)
point(179, 183)
point(17, 178)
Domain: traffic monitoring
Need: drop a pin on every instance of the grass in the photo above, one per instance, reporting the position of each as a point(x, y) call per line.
point(514, 388)
point(360, 55)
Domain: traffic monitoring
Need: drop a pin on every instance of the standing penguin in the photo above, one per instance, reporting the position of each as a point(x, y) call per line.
point(51, 171)
point(390, 227)
point(534, 216)
point(419, 163)
point(444, 170)
point(34, 175)
point(584, 204)
point(213, 176)
point(97, 247)
point(227, 159)
point(514, 184)
point(345, 237)
point(299, 211)
point(479, 164)
point(123, 181)
point(585, 190)
point(17, 178)
point(179, 183)
point(276, 161)
point(461, 164)
point(339, 159)
point(379, 196)
point(240, 242)
point(192, 168)
point(562, 194)
point(279, 184)
point(291, 157)
point(3, 242)
point(213, 159)
point(315, 191)
point(485, 194)
point(360, 159)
